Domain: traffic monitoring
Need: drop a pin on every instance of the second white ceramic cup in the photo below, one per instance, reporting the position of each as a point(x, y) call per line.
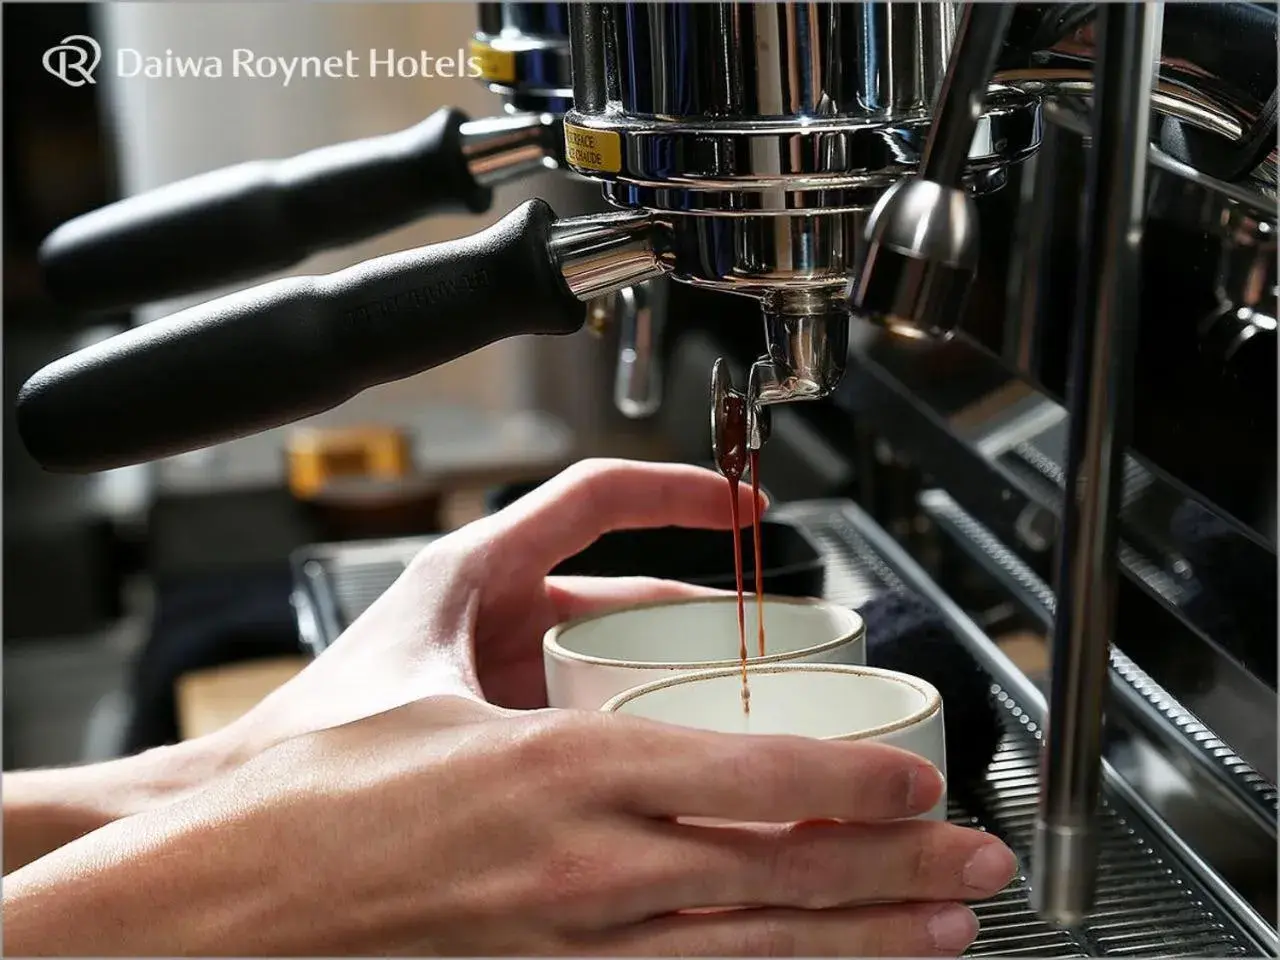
point(590, 660)
point(824, 701)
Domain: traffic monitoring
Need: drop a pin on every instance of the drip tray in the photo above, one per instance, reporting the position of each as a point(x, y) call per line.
point(1148, 904)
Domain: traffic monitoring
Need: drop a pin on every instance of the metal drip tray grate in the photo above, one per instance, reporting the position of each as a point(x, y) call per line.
point(1148, 904)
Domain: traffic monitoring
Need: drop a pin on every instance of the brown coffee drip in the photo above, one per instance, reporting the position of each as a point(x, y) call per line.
point(754, 457)
point(732, 453)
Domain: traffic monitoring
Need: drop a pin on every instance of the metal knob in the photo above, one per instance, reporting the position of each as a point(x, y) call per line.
point(921, 257)
point(641, 314)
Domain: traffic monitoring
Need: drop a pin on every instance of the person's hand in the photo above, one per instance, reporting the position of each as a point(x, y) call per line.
point(468, 615)
point(475, 602)
point(451, 827)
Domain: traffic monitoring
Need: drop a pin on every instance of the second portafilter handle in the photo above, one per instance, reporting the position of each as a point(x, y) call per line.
point(251, 219)
point(282, 351)
point(922, 235)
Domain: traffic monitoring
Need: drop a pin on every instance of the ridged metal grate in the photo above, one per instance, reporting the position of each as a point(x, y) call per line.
point(1147, 905)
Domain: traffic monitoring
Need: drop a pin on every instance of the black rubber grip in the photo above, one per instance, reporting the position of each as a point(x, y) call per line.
point(285, 350)
point(254, 218)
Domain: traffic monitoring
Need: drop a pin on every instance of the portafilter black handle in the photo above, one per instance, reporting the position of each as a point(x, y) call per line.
point(254, 218)
point(285, 350)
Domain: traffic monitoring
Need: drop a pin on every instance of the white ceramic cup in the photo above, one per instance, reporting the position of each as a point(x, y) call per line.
point(592, 659)
point(825, 701)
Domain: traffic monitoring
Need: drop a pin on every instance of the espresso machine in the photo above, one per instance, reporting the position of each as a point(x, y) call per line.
point(996, 287)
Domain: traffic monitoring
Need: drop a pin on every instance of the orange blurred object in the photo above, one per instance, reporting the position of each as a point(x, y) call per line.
point(320, 459)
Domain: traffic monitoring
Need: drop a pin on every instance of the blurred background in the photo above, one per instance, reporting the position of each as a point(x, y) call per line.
point(119, 584)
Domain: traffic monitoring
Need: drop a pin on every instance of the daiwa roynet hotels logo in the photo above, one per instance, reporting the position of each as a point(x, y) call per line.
point(77, 58)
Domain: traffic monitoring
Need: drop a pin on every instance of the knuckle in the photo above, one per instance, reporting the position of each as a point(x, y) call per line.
point(558, 746)
point(934, 855)
point(588, 474)
point(886, 936)
point(771, 936)
point(576, 873)
point(923, 862)
point(802, 867)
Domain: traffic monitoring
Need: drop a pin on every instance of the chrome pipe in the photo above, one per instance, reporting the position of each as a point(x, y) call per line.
point(1064, 860)
point(505, 148)
point(601, 254)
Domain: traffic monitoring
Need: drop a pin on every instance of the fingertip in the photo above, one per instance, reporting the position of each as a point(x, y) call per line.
point(925, 786)
point(911, 784)
point(952, 928)
point(991, 868)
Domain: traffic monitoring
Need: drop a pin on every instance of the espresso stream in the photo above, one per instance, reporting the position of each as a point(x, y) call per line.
point(754, 457)
point(734, 459)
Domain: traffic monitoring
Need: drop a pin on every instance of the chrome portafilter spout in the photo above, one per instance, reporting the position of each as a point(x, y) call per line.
point(806, 359)
point(922, 235)
point(806, 351)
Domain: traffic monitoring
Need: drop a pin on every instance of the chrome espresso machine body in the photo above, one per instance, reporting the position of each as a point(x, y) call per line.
point(1020, 250)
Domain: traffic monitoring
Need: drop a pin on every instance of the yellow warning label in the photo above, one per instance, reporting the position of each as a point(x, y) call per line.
point(496, 66)
point(592, 149)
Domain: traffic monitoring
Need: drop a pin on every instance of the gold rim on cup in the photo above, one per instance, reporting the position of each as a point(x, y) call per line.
point(932, 704)
point(857, 631)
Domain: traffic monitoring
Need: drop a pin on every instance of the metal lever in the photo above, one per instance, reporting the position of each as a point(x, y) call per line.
point(641, 312)
point(923, 233)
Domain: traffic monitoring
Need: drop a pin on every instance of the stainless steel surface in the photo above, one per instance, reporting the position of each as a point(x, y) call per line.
point(1131, 687)
point(1065, 858)
point(996, 445)
point(848, 526)
point(765, 157)
point(922, 236)
point(1197, 85)
point(641, 313)
point(1210, 795)
point(1152, 901)
point(599, 254)
point(1169, 98)
point(500, 149)
point(976, 47)
point(746, 166)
